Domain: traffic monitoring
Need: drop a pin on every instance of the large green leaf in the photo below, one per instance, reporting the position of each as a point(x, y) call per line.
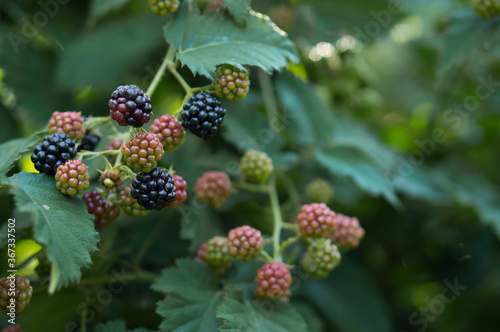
point(63, 225)
point(205, 41)
point(243, 315)
point(12, 150)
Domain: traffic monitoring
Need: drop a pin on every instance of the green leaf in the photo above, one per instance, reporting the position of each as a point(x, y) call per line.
point(239, 9)
point(11, 151)
point(99, 8)
point(63, 225)
point(311, 316)
point(199, 224)
point(243, 315)
point(205, 41)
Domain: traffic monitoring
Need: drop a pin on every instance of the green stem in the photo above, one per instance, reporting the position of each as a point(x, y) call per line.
point(169, 57)
point(149, 241)
point(202, 88)
point(275, 206)
point(266, 256)
point(83, 324)
point(250, 187)
point(118, 159)
point(266, 87)
point(180, 79)
point(289, 242)
point(290, 226)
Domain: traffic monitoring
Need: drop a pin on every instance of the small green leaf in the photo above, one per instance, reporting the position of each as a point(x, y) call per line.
point(63, 225)
point(12, 150)
point(243, 315)
point(205, 41)
point(239, 9)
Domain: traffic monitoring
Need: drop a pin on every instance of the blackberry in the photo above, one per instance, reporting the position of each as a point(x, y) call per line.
point(245, 243)
point(213, 187)
point(203, 114)
point(163, 7)
point(112, 178)
point(70, 123)
point(180, 192)
point(347, 232)
point(22, 295)
point(89, 142)
point(273, 282)
point(201, 253)
point(256, 166)
point(316, 220)
point(320, 258)
point(130, 106)
point(129, 205)
point(142, 151)
point(154, 190)
point(232, 82)
point(218, 252)
point(486, 8)
point(114, 144)
point(169, 131)
point(52, 152)
point(72, 178)
point(319, 191)
point(104, 213)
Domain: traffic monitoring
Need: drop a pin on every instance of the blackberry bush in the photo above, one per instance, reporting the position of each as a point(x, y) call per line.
point(130, 106)
point(52, 152)
point(202, 115)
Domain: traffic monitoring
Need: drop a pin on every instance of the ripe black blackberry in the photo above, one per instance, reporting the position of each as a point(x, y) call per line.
point(53, 151)
point(203, 114)
point(89, 142)
point(154, 189)
point(130, 106)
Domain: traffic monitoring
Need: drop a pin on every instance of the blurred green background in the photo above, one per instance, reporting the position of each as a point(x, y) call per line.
point(414, 92)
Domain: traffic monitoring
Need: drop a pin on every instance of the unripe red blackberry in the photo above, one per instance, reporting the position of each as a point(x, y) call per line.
point(129, 204)
point(232, 82)
point(245, 243)
point(347, 232)
point(130, 106)
point(180, 192)
point(142, 152)
point(201, 253)
point(273, 282)
point(320, 258)
point(70, 123)
point(114, 144)
point(316, 220)
point(256, 166)
point(486, 8)
point(13, 328)
point(163, 7)
point(213, 187)
point(72, 178)
point(15, 300)
point(169, 131)
point(104, 213)
point(319, 191)
point(218, 252)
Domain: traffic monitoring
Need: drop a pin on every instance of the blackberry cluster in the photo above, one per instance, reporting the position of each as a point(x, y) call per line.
point(218, 252)
point(213, 187)
point(89, 142)
point(347, 233)
point(72, 178)
point(202, 115)
point(245, 243)
point(319, 191)
point(256, 166)
point(273, 282)
point(70, 123)
point(320, 258)
point(163, 7)
point(52, 152)
point(232, 82)
point(103, 212)
point(180, 192)
point(142, 152)
point(130, 106)
point(154, 190)
point(22, 296)
point(486, 8)
point(129, 205)
point(316, 220)
point(169, 131)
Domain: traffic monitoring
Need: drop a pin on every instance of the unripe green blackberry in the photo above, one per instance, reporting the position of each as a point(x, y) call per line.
point(169, 131)
point(163, 7)
point(104, 213)
point(256, 166)
point(316, 220)
point(129, 204)
point(213, 187)
point(319, 191)
point(142, 152)
point(347, 232)
point(15, 300)
point(320, 258)
point(273, 282)
point(232, 83)
point(70, 123)
point(245, 243)
point(180, 192)
point(72, 178)
point(486, 8)
point(218, 252)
